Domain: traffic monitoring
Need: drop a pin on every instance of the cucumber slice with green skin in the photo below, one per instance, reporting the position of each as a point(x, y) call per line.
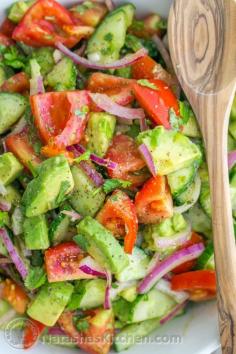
point(63, 76)
point(205, 198)
point(12, 107)
point(206, 260)
point(148, 306)
point(129, 10)
point(188, 196)
point(18, 9)
point(127, 337)
point(191, 128)
point(59, 228)
point(180, 180)
point(105, 44)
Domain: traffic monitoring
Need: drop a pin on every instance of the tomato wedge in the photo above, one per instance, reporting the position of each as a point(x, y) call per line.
point(15, 296)
point(32, 332)
point(130, 165)
point(43, 25)
point(5, 40)
point(61, 117)
point(157, 102)
point(7, 27)
point(119, 216)
point(89, 15)
point(97, 339)
point(118, 88)
point(21, 147)
point(148, 68)
point(154, 202)
point(18, 83)
point(201, 284)
point(62, 262)
point(187, 266)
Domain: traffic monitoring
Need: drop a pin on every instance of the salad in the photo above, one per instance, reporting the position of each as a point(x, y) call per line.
point(105, 214)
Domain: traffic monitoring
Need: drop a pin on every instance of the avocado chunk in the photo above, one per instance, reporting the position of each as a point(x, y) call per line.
point(101, 244)
point(36, 233)
point(50, 302)
point(86, 198)
point(50, 188)
point(100, 131)
point(83, 297)
point(18, 9)
point(151, 305)
point(63, 76)
point(10, 168)
point(170, 150)
point(12, 107)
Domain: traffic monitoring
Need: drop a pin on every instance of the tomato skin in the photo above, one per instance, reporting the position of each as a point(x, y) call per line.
point(18, 83)
point(119, 216)
point(5, 40)
point(118, 88)
point(15, 296)
point(154, 202)
point(157, 103)
point(58, 116)
point(201, 284)
point(7, 27)
point(35, 30)
point(90, 16)
point(21, 147)
point(124, 152)
point(187, 266)
point(148, 68)
point(97, 339)
point(62, 262)
point(32, 332)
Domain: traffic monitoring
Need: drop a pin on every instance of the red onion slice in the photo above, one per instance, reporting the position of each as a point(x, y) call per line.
point(98, 160)
point(175, 240)
point(107, 303)
point(231, 159)
point(19, 264)
point(126, 61)
point(108, 105)
point(72, 214)
point(89, 266)
point(4, 205)
point(164, 286)
point(173, 313)
point(169, 263)
point(36, 86)
point(56, 331)
point(143, 149)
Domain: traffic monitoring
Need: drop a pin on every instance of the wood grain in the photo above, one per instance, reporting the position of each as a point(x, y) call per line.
point(202, 37)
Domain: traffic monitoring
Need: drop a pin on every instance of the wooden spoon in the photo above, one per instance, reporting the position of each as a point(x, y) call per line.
point(202, 39)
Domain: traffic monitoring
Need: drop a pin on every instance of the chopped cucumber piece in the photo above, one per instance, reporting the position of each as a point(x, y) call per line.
point(206, 260)
point(63, 76)
point(205, 198)
point(12, 107)
point(59, 228)
point(191, 194)
point(180, 180)
point(18, 9)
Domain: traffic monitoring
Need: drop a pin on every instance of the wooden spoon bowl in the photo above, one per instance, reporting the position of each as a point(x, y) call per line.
point(202, 40)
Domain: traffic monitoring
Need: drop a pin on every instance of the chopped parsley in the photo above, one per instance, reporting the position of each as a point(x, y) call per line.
point(147, 83)
point(162, 24)
point(111, 184)
point(82, 325)
point(12, 57)
point(108, 37)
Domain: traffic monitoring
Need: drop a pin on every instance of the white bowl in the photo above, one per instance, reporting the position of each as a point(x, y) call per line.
point(197, 331)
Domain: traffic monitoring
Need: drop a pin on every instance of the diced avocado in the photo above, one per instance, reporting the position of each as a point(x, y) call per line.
point(100, 131)
point(83, 297)
point(44, 57)
point(105, 44)
point(50, 302)
point(191, 128)
point(17, 220)
point(36, 233)
point(167, 228)
point(13, 195)
point(63, 76)
point(10, 168)
point(129, 294)
point(137, 268)
point(86, 198)
point(199, 220)
point(18, 9)
point(180, 180)
point(131, 334)
point(151, 305)
point(101, 244)
point(50, 188)
point(12, 107)
point(170, 150)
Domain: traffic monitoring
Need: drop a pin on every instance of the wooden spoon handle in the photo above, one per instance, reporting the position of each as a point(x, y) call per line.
point(224, 240)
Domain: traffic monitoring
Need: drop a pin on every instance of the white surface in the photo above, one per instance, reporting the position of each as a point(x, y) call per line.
point(198, 328)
